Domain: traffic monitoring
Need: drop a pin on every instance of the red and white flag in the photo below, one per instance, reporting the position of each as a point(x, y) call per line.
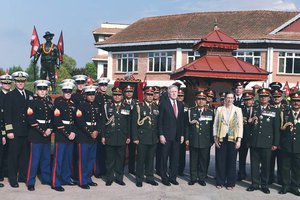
point(35, 42)
point(286, 88)
point(60, 46)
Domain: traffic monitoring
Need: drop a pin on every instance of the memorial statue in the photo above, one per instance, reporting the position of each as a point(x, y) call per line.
point(49, 53)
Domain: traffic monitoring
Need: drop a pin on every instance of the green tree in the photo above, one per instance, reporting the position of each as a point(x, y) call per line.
point(69, 64)
point(91, 70)
point(14, 69)
point(2, 71)
point(30, 71)
point(62, 73)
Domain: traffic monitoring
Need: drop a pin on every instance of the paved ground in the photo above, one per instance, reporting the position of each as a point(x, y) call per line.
point(130, 191)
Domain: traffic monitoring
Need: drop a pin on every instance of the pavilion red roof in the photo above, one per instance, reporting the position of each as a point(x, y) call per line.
point(217, 39)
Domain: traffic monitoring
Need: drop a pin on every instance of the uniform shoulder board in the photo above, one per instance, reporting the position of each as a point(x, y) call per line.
point(29, 111)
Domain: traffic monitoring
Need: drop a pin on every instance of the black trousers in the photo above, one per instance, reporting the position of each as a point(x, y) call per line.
point(18, 152)
point(226, 164)
point(275, 158)
point(170, 151)
point(198, 163)
point(115, 156)
point(1, 158)
point(260, 166)
point(182, 156)
point(145, 162)
point(243, 152)
point(131, 159)
point(290, 165)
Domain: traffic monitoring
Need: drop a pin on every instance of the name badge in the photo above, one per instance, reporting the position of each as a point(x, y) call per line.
point(205, 118)
point(125, 112)
point(268, 114)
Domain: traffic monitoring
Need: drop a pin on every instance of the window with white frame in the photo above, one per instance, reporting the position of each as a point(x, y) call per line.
point(160, 61)
point(289, 63)
point(127, 62)
point(252, 57)
point(193, 55)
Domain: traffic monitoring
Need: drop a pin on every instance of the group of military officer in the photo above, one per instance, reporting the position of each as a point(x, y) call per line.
point(92, 131)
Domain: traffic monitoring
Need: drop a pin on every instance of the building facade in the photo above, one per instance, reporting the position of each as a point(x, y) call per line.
point(155, 47)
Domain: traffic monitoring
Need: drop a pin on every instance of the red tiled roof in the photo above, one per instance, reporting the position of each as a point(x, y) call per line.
point(216, 66)
point(193, 26)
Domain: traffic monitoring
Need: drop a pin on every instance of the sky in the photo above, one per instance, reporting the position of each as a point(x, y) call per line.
point(79, 18)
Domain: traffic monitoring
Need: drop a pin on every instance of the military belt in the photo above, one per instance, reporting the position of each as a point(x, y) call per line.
point(91, 123)
point(67, 122)
point(41, 121)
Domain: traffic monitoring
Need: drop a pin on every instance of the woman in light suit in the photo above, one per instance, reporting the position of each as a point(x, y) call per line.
point(228, 132)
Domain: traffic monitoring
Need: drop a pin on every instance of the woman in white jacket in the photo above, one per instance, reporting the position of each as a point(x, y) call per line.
point(228, 132)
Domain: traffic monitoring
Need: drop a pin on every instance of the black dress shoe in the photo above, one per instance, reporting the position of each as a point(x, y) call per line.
point(283, 190)
point(251, 188)
point(295, 191)
point(166, 183)
point(174, 182)
point(58, 189)
point(108, 183)
point(30, 188)
point(139, 184)
point(14, 185)
point(265, 190)
point(98, 176)
point(202, 183)
point(86, 187)
point(154, 183)
point(192, 182)
point(240, 178)
point(92, 184)
point(120, 182)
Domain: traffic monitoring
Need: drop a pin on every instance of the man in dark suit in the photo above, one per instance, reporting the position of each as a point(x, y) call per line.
point(171, 121)
point(263, 139)
point(290, 147)
point(15, 109)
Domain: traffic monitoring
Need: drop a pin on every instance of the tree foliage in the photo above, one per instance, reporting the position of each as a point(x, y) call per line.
point(69, 64)
point(30, 71)
point(14, 69)
point(91, 70)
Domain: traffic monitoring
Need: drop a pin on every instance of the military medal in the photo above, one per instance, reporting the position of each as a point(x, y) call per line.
point(295, 121)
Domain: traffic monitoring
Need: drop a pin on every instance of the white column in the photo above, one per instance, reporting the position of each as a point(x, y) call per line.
point(110, 66)
point(178, 58)
point(270, 53)
point(100, 69)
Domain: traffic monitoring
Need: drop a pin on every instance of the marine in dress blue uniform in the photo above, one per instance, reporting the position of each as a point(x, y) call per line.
point(88, 122)
point(39, 117)
point(65, 133)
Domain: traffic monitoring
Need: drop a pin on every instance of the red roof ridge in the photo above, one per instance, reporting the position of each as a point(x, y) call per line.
point(220, 57)
point(205, 57)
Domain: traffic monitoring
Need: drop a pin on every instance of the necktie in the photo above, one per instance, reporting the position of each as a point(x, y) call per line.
point(200, 111)
point(174, 108)
point(295, 114)
point(23, 93)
